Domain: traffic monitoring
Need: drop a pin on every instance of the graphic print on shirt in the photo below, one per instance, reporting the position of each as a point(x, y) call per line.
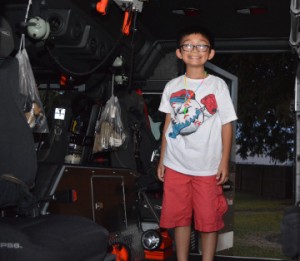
point(189, 114)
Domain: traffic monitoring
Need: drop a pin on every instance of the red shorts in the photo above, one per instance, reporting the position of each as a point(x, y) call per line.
point(187, 197)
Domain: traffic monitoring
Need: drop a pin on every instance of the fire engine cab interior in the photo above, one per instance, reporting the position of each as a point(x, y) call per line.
point(80, 86)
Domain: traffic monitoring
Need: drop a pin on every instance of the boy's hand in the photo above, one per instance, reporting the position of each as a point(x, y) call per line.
point(161, 172)
point(223, 173)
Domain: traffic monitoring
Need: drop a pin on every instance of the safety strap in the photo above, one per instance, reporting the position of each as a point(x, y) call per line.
point(26, 207)
point(13, 179)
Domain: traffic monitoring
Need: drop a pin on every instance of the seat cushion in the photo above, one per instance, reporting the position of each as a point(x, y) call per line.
point(52, 237)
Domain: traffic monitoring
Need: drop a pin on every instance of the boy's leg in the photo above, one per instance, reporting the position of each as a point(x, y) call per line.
point(208, 245)
point(209, 207)
point(182, 241)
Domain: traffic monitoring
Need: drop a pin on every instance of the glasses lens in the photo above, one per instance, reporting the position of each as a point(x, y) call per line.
point(202, 47)
point(187, 47)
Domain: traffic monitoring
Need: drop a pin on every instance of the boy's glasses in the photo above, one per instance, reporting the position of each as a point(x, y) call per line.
point(191, 47)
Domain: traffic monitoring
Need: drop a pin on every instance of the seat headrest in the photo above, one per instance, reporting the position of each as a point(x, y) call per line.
point(6, 38)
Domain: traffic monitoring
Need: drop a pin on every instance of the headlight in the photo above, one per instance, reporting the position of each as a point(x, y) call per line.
point(151, 239)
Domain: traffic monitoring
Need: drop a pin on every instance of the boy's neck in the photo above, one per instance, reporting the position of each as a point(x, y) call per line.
point(196, 73)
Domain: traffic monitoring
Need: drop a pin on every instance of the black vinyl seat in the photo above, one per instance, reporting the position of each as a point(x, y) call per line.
point(52, 238)
point(33, 237)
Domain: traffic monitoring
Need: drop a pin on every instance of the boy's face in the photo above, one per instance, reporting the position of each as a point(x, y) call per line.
point(195, 50)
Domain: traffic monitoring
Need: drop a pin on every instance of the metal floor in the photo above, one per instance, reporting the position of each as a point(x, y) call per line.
point(197, 257)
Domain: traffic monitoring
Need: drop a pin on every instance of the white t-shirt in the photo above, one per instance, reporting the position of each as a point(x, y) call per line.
point(198, 110)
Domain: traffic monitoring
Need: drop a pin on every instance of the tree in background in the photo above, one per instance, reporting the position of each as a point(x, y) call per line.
point(266, 124)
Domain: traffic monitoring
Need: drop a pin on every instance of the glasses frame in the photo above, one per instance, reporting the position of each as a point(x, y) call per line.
point(191, 47)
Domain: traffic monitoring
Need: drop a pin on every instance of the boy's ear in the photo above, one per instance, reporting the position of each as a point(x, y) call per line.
point(211, 54)
point(178, 53)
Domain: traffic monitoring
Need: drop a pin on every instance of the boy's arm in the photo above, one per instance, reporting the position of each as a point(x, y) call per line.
point(161, 167)
point(223, 171)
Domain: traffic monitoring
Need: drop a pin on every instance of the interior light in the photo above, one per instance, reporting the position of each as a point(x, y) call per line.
point(188, 11)
point(252, 10)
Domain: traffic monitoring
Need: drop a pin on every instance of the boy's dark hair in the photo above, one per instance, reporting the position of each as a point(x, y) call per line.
point(195, 29)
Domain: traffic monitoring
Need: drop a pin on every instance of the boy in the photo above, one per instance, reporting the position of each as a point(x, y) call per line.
point(196, 144)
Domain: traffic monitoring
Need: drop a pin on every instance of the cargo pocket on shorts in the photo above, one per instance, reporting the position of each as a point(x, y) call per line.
point(222, 202)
